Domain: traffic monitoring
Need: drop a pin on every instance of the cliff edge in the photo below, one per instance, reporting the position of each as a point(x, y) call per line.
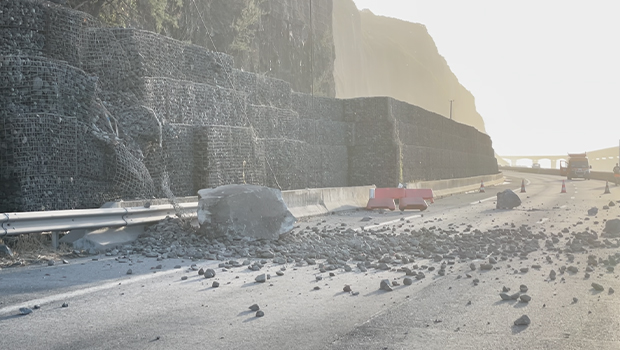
point(382, 56)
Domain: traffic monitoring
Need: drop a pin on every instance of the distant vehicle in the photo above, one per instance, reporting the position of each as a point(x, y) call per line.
point(576, 167)
point(563, 168)
point(535, 166)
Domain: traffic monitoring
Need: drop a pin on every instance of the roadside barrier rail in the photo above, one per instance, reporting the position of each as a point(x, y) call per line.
point(13, 224)
point(594, 175)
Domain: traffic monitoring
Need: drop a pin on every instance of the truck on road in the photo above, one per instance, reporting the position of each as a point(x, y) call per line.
point(576, 167)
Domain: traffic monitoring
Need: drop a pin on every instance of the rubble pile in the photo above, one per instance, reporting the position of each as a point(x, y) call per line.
point(383, 248)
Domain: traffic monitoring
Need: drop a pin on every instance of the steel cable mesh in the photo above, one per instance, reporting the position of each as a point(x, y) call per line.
point(133, 107)
point(115, 113)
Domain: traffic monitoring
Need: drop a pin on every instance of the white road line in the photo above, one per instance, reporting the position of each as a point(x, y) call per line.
point(387, 223)
point(80, 292)
point(527, 182)
point(491, 198)
point(483, 200)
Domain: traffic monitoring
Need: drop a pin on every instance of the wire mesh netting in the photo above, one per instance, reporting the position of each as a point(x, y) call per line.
point(90, 114)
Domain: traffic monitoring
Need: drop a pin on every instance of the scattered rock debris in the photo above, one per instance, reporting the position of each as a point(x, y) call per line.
point(209, 273)
point(340, 250)
point(385, 285)
point(262, 278)
point(522, 321)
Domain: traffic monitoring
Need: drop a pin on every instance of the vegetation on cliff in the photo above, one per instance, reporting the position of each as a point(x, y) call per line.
point(160, 16)
point(327, 48)
point(288, 40)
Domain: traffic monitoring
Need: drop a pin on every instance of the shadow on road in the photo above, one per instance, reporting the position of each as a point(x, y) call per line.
point(519, 305)
point(5, 318)
point(376, 292)
point(245, 313)
point(249, 284)
point(83, 273)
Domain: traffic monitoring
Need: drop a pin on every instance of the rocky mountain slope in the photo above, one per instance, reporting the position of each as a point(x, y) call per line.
point(324, 48)
point(282, 39)
point(381, 56)
point(288, 40)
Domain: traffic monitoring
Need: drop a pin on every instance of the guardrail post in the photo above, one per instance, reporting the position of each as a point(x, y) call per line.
point(55, 240)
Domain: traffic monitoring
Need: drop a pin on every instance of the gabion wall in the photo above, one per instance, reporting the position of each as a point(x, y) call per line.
point(374, 154)
point(227, 155)
point(48, 155)
point(91, 114)
point(434, 147)
point(394, 142)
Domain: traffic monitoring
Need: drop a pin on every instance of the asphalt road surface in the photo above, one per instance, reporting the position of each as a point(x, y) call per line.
point(155, 309)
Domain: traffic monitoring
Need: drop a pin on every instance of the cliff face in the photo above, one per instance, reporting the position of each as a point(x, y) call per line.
point(381, 56)
point(285, 39)
point(289, 40)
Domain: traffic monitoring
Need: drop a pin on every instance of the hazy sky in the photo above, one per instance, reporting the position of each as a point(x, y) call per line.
point(545, 73)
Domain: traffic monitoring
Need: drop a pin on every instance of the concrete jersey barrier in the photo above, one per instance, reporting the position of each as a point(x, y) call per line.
point(319, 201)
point(443, 188)
point(301, 203)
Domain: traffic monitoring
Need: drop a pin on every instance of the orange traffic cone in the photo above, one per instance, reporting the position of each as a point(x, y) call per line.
point(563, 187)
point(522, 186)
point(606, 188)
point(481, 186)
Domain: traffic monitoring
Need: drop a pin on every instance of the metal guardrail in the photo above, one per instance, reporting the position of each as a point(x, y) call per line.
point(594, 175)
point(64, 220)
point(13, 224)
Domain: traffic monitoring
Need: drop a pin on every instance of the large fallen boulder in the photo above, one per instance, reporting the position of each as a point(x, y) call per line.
point(243, 212)
point(507, 200)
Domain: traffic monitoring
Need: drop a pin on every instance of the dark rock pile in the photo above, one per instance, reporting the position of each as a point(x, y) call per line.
point(385, 248)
